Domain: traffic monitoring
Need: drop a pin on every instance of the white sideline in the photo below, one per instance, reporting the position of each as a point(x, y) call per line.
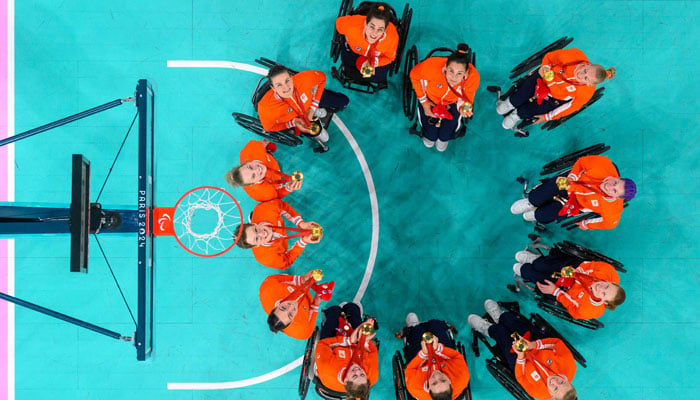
point(374, 204)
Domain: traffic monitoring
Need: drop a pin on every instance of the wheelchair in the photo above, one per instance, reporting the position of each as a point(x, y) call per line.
point(402, 26)
point(285, 137)
point(498, 366)
point(410, 101)
point(531, 64)
point(550, 305)
point(561, 167)
point(398, 366)
point(308, 372)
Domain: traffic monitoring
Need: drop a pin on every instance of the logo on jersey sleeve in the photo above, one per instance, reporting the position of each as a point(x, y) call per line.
point(341, 353)
point(594, 203)
point(571, 88)
point(304, 98)
point(535, 376)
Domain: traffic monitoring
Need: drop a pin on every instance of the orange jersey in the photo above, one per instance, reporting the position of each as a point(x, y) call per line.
point(276, 254)
point(454, 366)
point(277, 114)
point(429, 83)
point(276, 288)
point(551, 357)
point(579, 94)
point(353, 26)
point(597, 168)
point(264, 190)
point(577, 301)
point(332, 355)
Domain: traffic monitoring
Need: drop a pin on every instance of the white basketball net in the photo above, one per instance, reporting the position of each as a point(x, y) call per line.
point(223, 215)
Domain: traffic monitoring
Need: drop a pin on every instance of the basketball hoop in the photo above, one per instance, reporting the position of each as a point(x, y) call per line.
point(203, 221)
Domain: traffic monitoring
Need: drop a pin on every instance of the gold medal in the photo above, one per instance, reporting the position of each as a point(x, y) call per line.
point(562, 183)
point(367, 71)
point(317, 274)
point(316, 232)
point(465, 107)
point(297, 176)
point(549, 76)
point(315, 128)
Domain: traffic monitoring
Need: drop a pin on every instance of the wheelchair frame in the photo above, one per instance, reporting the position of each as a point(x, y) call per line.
point(410, 101)
point(308, 374)
point(561, 167)
point(549, 305)
point(398, 366)
point(285, 137)
point(527, 67)
point(402, 27)
point(497, 364)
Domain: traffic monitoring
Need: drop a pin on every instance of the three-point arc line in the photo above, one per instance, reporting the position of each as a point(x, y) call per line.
point(373, 244)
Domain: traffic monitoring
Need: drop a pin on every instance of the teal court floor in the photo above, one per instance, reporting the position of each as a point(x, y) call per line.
point(446, 238)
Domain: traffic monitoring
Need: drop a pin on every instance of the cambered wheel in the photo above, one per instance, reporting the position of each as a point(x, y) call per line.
point(506, 379)
point(569, 160)
point(547, 330)
point(252, 124)
point(337, 40)
point(560, 312)
point(409, 97)
point(304, 378)
point(549, 125)
point(398, 365)
point(536, 59)
point(587, 254)
point(403, 29)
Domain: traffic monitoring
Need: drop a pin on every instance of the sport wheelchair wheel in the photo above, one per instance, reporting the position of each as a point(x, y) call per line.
point(549, 125)
point(554, 308)
point(398, 365)
point(547, 329)
point(402, 28)
point(337, 41)
point(569, 160)
point(506, 378)
point(306, 367)
point(536, 59)
point(587, 254)
point(286, 137)
point(409, 97)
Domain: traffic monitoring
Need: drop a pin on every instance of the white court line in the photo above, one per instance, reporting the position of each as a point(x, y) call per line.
point(374, 244)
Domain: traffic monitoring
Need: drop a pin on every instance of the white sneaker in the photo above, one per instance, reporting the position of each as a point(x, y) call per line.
point(493, 309)
point(504, 107)
point(412, 320)
point(516, 268)
point(440, 145)
point(320, 113)
point(521, 206)
point(479, 324)
point(323, 136)
point(529, 216)
point(428, 143)
point(510, 121)
point(526, 257)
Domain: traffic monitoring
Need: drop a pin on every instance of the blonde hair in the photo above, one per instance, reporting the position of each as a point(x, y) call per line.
point(602, 74)
point(233, 177)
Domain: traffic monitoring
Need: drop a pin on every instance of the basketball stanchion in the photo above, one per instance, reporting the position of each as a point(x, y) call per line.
point(203, 221)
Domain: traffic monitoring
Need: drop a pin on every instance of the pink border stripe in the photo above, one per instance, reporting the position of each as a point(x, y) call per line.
point(4, 170)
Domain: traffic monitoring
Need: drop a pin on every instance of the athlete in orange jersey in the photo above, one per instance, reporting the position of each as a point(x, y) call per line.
point(595, 287)
point(545, 369)
point(594, 184)
point(259, 173)
point(295, 101)
point(567, 81)
point(268, 238)
point(443, 85)
point(289, 305)
point(369, 40)
point(345, 360)
point(448, 377)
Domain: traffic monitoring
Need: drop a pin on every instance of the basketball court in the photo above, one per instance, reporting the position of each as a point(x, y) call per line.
point(405, 228)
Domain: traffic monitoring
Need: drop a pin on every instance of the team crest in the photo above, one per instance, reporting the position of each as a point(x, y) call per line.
point(594, 203)
point(549, 361)
point(304, 97)
point(571, 88)
point(358, 48)
point(289, 110)
point(341, 353)
point(439, 85)
point(535, 376)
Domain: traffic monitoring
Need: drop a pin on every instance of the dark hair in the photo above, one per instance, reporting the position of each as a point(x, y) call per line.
point(379, 11)
point(274, 323)
point(357, 391)
point(277, 70)
point(233, 177)
point(619, 298)
point(462, 55)
point(446, 395)
point(242, 240)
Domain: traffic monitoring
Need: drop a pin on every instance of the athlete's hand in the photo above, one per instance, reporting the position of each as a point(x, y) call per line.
point(428, 108)
point(309, 238)
point(546, 288)
point(539, 119)
point(301, 125)
point(294, 185)
point(310, 114)
point(467, 114)
point(543, 70)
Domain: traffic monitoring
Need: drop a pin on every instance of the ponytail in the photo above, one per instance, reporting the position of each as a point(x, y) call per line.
point(462, 55)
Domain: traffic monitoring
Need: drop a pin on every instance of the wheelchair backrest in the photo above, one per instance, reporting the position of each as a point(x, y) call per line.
point(364, 7)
